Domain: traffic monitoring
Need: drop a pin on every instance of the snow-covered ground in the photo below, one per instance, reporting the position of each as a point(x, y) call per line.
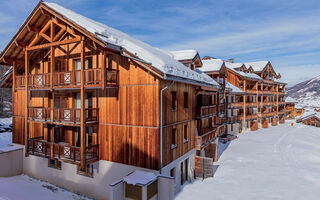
point(281, 162)
point(25, 188)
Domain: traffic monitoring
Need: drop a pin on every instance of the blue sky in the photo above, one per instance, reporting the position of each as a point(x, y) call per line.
point(286, 32)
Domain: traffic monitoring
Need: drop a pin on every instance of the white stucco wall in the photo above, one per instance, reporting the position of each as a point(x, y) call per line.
point(11, 163)
point(98, 187)
point(176, 164)
point(105, 173)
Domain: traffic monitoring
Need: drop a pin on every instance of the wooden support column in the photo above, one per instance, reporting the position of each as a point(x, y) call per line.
point(13, 77)
point(103, 72)
point(82, 112)
point(52, 64)
point(27, 102)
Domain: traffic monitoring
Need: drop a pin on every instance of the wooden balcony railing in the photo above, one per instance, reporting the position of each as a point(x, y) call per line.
point(222, 120)
point(270, 114)
point(268, 103)
point(39, 80)
point(39, 113)
point(70, 78)
point(250, 104)
point(203, 140)
point(237, 104)
point(20, 82)
point(63, 115)
point(205, 111)
point(233, 119)
point(248, 116)
point(251, 91)
point(63, 151)
point(92, 78)
point(72, 115)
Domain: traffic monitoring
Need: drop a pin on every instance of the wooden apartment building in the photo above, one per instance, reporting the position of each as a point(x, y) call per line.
point(262, 103)
point(89, 101)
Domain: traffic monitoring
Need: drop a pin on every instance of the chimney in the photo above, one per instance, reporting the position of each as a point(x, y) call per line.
point(231, 60)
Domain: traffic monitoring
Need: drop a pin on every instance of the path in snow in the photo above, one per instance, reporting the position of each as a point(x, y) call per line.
point(281, 162)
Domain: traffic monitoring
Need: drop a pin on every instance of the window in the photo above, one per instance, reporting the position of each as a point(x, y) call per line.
point(231, 127)
point(185, 133)
point(87, 171)
point(173, 138)
point(185, 95)
point(88, 63)
point(173, 100)
point(54, 164)
point(110, 61)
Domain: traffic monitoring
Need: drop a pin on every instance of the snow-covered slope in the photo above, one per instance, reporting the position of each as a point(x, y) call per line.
point(307, 93)
point(279, 163)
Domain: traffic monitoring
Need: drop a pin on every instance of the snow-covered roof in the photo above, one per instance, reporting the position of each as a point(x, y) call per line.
point(139, 178)
point(308, 116)
point(184, 54)
point(158, 58)
point(257, 66)
point(211, 65)
point(290, 100)
point(216, 64)
point(233, 88)
point(232, 67)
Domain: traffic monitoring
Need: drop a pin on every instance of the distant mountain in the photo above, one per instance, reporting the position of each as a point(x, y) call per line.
point(5, 96)
point(307, 93)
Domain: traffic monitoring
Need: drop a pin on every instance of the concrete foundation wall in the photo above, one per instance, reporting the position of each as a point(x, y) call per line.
point(98, 187)
point(11, 163)
point(176, 164)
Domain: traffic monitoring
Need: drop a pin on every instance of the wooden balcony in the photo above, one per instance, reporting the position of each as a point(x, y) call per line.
point(69, 79)
point(251, 104)
point(20, 82)
point(205, 139)
point(268, 114)
point(39, 81)
point(269, 92)
point(69, 116)
point(62, 151)
point(249, 117)
point(206, 111)
point(267, 103)
point(237, 105)
point(249, 91)
point(222, 120)
point(233, 119)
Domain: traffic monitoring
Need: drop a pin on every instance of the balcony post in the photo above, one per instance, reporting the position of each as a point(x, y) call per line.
point(103, 68)
point(14, 77)
point(52, 49)
point(27, 102)
point(82, 111)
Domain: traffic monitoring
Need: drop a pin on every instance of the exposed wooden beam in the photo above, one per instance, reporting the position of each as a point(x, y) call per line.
point(20, 44)
point(44, 12)
point(48, 45)
point(45, 37)
point(33, 29)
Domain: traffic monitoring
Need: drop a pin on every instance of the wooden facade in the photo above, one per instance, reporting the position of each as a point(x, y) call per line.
point(263, 98)
point(77, 100)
